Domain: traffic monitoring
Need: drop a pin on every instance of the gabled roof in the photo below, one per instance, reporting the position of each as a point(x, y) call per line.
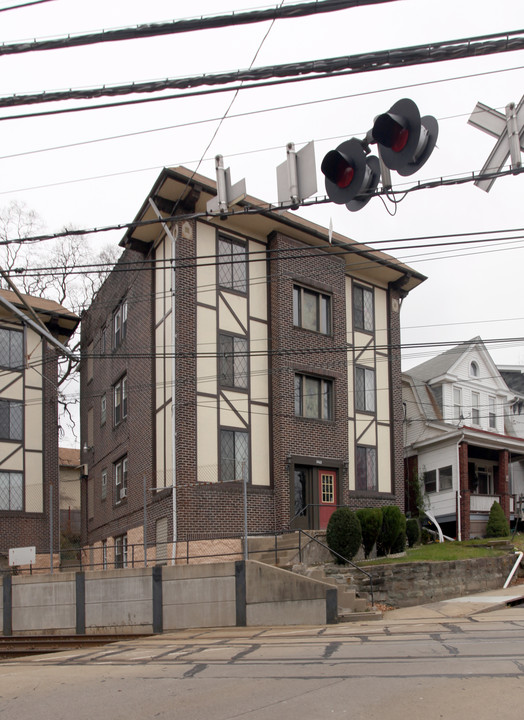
point(441, 364)
point(179, 189)
point(60, 321)
point(514, 377)
point(69, 457)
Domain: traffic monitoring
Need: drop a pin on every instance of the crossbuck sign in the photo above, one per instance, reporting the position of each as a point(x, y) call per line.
point(509, 131)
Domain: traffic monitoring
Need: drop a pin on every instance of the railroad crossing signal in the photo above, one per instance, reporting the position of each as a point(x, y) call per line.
point(509, 129)
point(405, 142)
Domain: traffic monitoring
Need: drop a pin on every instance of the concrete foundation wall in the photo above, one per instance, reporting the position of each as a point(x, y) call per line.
point(407, 584)
point(147, 600)
point(44, 603)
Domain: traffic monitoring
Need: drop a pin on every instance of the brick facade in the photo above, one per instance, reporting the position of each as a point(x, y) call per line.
point(207, 509)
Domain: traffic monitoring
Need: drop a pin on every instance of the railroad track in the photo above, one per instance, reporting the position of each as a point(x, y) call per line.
point(20, 646)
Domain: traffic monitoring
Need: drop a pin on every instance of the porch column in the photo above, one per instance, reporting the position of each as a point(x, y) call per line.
point(502, 481)
point(464, 491)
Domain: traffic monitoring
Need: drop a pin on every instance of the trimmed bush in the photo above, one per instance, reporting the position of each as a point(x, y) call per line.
point(344, 534)
point(498, 525)
point(399, 544)
point(412, 532)
point(393, 525)
point(370, 522)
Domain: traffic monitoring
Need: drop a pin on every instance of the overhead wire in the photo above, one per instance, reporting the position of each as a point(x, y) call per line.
point(327, 67)
point(172, 27)
point(24, 5)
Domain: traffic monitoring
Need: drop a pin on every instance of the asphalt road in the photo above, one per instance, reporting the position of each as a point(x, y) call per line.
point(468, 668)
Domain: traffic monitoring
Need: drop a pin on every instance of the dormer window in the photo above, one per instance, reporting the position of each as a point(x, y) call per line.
point(474, 369)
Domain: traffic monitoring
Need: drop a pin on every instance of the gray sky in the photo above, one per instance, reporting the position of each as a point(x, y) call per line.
point(469, 291)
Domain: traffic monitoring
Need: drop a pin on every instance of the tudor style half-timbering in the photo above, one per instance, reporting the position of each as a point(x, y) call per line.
point(29, 420)
point(275, 345)
point(459, 438)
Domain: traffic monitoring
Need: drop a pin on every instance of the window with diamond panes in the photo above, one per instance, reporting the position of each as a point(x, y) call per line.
point(366, 468)
point(11, 420)
point(311, 310)
point(11, 349)
point(363, 308)
point(233, 364)
point(232, 267)
point(234, 455)
point(313, 397)
point(365, 389)
point(11, 491)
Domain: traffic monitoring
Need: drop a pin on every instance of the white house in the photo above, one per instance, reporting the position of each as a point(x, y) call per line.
point(458, 439)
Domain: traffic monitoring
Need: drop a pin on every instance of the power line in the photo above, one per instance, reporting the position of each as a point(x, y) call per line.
point(247, 86)
point(267, 207)
point(191, 123)
point(327, 67)
point(23, 5)
point(186, 25)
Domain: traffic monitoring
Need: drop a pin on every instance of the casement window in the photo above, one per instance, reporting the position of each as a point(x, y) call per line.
point(119, 324)
point(445, 478)
point(313, 397)
point(121, 551)
point(492, 412)
point(311, 310)
point(366, 470)
point(120, 474)
point(103, 486)
point(430, 481)
point(438, 480)
point(233, 361)
point(457, 404)
point(11, 349)
point(363, 315)
point(234, 455)
point(104, 554)
point(11, 420)
point(11, 490)
point(120, 400)
point(103, 409)
point(232, 266)
point(475, 408)
point(364, 389)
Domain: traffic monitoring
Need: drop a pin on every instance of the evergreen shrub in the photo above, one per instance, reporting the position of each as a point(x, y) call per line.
point(344, 534)
point(498, 525)
point(393, 525)
point(370, 522)
point(412, 532)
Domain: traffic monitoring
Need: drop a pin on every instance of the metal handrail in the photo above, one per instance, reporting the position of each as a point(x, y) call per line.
point(334, 552)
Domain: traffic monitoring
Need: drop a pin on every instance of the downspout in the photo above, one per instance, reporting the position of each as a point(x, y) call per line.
point(173, 237)
point(459, 526)
point(173, 386)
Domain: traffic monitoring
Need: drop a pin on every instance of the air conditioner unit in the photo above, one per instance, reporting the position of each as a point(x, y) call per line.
point(123, 493)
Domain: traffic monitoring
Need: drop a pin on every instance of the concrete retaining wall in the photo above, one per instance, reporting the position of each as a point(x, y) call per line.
point(407, 584)
point(148, 600)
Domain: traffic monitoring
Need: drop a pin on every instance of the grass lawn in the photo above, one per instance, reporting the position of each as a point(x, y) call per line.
point(447, 551)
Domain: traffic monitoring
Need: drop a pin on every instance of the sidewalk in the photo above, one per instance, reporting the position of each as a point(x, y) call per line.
point(460, 607)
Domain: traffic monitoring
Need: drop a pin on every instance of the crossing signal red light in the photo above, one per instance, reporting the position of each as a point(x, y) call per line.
point(405, 140)
point(351, 176)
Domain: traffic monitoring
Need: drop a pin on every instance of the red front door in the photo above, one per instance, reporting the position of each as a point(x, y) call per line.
point(327, 495)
